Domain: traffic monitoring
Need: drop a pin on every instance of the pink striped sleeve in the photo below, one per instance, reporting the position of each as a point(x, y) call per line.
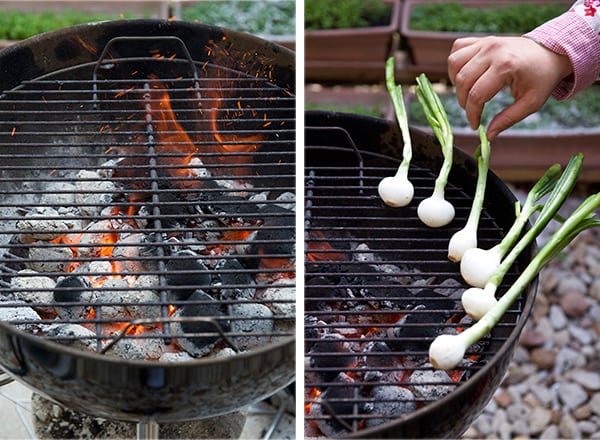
point(573, 34)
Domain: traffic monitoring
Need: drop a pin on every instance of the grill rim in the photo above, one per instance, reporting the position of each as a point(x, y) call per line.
point(418, 424)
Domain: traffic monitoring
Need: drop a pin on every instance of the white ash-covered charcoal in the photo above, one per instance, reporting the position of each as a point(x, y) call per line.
point(142, 304)
point(428, 383)
point(389, 400)
point(73, 295)
point(126, 253)
point(336, 407)
point(149, 344)
point(43, 223)
point(233, 280)
point(185, 274)
point(281, 298)
point(109, 298)
point(198, 336)
point(197, 169)
point(95, 271)
point(44, 257)
point(98, 238)
point(73, 335)
point(287, 200)
point(254, 319)
point(107, 169)
point(31, 287)
point(175, 356)
point(59, 194)
point(22, 316)
point(94, 192)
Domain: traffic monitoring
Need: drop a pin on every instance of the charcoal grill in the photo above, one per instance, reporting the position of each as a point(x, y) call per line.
point(156, 150)
point(379, 287)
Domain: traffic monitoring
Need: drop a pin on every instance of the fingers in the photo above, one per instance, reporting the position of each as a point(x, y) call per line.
point(512, 114)
point(484, 88)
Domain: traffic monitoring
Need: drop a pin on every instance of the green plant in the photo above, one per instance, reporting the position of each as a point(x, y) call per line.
point(516, 18)
point(259, 18)
point(336, 14)
point(581, 111)
point(18, 25)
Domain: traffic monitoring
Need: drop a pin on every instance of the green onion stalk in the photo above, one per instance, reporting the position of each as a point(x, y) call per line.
point(477, 301)
point(397, 190)
point(447, 351)
point(477, 265)
point(435, 211)
point(466, 238)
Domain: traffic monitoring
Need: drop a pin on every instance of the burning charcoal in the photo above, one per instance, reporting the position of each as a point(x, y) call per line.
point(142, 303)
point(76, 290)
point(336, 407)
point(127, 253)
point(275, 237)
point(185, 329)
point(231, 209)
point(73, 335)
point(30, 287)
point(186, 270)
point(99, 238)
point(428, 314)
point(379, 355)
point(43, 223)
point(23, 316)
point(147, 348)
point(43, 258)
point(330, 356)
point(281, 299)
point(112, 290)
point(429, 384)
point(321, 287)
point(393, 401)
point(253, 319)
point(174, 211)
point(93, 192)
point(231, 273)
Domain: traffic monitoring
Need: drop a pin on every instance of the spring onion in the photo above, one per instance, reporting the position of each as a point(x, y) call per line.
point(397, 190)
point(447, 351)
point(435, 211)
point(478, 265)
point(466, 238)
point(477, 305)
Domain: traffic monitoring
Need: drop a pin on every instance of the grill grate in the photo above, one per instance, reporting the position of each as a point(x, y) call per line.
point(379, 286)
point(158, 168)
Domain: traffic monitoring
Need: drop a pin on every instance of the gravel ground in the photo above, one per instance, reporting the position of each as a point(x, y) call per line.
point(552, 388)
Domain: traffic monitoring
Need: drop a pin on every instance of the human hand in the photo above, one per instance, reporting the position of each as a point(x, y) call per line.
point(480, 67)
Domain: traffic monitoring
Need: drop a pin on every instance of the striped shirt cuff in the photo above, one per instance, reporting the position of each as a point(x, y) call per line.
point(571, 35)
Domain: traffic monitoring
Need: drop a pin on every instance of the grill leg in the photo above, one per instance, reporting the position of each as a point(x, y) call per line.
point(147, 429)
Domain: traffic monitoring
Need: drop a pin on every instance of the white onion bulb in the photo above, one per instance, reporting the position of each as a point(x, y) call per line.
point(396, 191)
point(478, 265)
point(477, 301)
point(446, 351)
point(435, 211)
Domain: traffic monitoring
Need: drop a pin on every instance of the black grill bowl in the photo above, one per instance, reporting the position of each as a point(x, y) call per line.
point(92, 382)
point(345, 157)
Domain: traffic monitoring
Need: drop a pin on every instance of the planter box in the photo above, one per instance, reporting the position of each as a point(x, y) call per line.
point(429, 50)
point(357, 54)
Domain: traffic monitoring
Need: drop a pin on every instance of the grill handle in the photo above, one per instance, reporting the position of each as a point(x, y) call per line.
point(105, 56)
